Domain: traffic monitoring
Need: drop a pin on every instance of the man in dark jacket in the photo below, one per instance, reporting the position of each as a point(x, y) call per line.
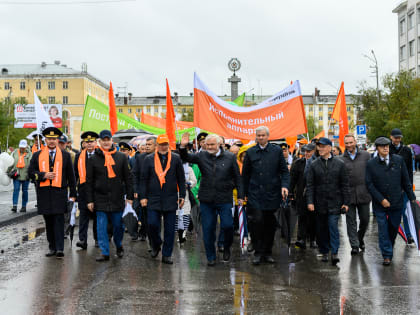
point(219, 176)
point(108, 179)
point(52, 169)
point(356, 161)
point(327, 193)
point(398, 147)
point(80, 171)
point(386, 179)
point(162, 175)
point(266, 182)
point(306, 218)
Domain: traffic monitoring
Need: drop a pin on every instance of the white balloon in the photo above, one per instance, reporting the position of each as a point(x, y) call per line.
point(4, 179)
point(7, 159)
point(3, 167)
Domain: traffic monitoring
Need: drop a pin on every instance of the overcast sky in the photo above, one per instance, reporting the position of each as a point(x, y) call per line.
point(140, 43)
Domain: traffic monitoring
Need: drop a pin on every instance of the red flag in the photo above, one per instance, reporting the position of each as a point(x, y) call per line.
point(113, 121)
point(142, 117)
point(170, 119)
point(340, 114)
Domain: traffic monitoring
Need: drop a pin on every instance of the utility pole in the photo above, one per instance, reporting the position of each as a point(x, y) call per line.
point(375, 71)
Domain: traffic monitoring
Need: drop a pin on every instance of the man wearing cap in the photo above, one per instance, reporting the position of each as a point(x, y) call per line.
point(306, 218)
point(266, 183)
point(398, 147)
point(356, 161)
point(21, 160)
point(386, 179)
point(52, 169)
point(287, 156)
point(38, 145)
point(219, 176)
point(327, 193)
point(108, 180)
point(62, 144)
point(80, 170)
point(125, 148)
point(162, 175)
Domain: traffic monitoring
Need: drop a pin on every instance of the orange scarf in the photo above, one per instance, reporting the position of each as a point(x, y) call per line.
point(81, 166)
point(35, 148)
point(44, 166)
point(109, 161)
point(21, 161)
point(160, 173)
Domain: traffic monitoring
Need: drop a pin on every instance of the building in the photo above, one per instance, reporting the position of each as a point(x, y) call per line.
point(408, 35)
point(55, 84)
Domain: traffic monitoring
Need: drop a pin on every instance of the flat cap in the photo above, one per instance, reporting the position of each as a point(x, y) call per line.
point(382, 141)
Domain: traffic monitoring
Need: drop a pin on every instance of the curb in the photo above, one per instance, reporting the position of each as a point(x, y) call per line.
point(18, 218)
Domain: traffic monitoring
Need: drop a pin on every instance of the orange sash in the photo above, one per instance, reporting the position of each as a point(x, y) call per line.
point(21, 161)
point(158, 167)
point(81, 166)
point(35, 148)
point(109, 161)
point(44, 166)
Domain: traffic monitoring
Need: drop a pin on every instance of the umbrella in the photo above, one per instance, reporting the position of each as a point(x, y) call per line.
point(71, 206)
point(287, 220)
point(130, 220)
point(413, 215)
point(31, 135)
point(128, 134)
point(242, 227)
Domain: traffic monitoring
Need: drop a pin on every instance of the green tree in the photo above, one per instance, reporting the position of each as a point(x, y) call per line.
point(313, 129)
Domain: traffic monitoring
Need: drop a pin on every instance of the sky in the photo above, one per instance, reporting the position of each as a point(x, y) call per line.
point(140, 43)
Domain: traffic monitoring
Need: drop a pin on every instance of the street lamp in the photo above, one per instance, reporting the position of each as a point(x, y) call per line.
point(375, 71)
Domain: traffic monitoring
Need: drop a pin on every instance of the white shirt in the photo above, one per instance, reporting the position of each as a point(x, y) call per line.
point(386, 159)
point(52, 154)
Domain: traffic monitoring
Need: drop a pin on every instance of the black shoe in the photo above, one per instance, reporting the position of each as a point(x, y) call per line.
point(221, 249)
point(301, 244)
point(59, 255)
point(354, 251)
point(167, 260)
point(23, 209)
point(269, 259)
point(334, 259)
point(181, 237)
point(142, 238)
point(155, 252)
point(82, 245)
point(120, 252)
point(362, 245)
point(226, 254)
point(386, 262)
point(211, 263)
point(101, 258)
point(313, 245)
point(256, 260)
point(324, 258)
point(134, 238)
point(14, 209)
point(410, 240)
point(50, 253)
point(96, 244)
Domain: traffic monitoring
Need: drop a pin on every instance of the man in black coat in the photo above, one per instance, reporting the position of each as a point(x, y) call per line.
point(52, 169)
point(356, 161)
point(136, 173)
point(398, 147)
point(108, 179)
point(266, 182)
point(80, 170)
point(386, 179)
point(306, 218)
point(162, 175)
point(327, 193)
point(219, 176)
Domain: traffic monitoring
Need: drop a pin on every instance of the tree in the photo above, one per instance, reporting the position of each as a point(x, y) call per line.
point(313, 128)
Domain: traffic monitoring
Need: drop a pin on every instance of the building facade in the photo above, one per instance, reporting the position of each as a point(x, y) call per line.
point(408, 35)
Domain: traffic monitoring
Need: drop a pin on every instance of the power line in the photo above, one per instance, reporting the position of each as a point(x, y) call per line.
point(63, 2)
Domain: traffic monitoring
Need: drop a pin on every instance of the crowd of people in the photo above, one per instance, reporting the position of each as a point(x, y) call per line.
point(213, 179)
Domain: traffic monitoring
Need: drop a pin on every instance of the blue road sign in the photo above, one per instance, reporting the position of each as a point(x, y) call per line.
point(361, 129)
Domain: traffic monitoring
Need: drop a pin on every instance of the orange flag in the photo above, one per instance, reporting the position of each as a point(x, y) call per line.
point(113, 122)
point(142, 117)
point(170, 119)
point(291, 141)
point(320, 135)
point(340, 114)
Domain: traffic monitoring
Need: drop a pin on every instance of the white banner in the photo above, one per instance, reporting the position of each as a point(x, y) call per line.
point(25, 116)
point(43, 121)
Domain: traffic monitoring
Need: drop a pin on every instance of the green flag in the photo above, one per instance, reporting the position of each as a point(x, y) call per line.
point(240, 100)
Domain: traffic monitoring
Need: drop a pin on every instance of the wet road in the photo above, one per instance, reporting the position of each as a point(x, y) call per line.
point(300, 283)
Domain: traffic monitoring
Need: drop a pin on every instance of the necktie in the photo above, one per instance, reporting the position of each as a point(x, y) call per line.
point(52, 155)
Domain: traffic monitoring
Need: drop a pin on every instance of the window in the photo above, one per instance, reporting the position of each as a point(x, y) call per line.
point(120, 110)
point(411, 48)
point(22, 85)
point(348, 118)
point(65, 99)
point(403, 52)
point(320, 108)
point(148, 109)
point(411, 20)
point(38, 85)
point(348, 108)
point(51, 99)
point(320, 118)
point(129, 110)
point(65, 85)
point(6, 85)
point(311, 109)
point(138, 110)
point(403, 27)
point(51, 85)
point(330, 108)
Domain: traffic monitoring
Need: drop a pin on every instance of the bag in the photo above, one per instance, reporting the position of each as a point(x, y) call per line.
point(13, 173)
point(193, 202)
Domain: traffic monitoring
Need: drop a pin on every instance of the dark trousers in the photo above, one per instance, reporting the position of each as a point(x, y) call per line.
point(264, 229)
point(154, 219)
point(328, 235)
point(355, 236)
point(54, 224)
point(388, 224)
point(306, 225)
point(84, 217)
point(143, 219)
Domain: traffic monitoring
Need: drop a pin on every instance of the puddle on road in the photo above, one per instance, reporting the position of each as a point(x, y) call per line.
point(15, 235)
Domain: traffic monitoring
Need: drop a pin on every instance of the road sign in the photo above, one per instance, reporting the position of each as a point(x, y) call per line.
point(361, 129)
point(361, 139)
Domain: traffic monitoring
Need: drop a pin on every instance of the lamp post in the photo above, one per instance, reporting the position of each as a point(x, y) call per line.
point(375, 71)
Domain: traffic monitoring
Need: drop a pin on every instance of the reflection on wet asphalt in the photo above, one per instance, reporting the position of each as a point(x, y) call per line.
point(296, 284)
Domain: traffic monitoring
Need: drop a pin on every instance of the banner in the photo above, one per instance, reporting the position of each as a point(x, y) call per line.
point(161, 122)
point(283, 114)
point(25, 115)
point(43, 120)
point(96, 118)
